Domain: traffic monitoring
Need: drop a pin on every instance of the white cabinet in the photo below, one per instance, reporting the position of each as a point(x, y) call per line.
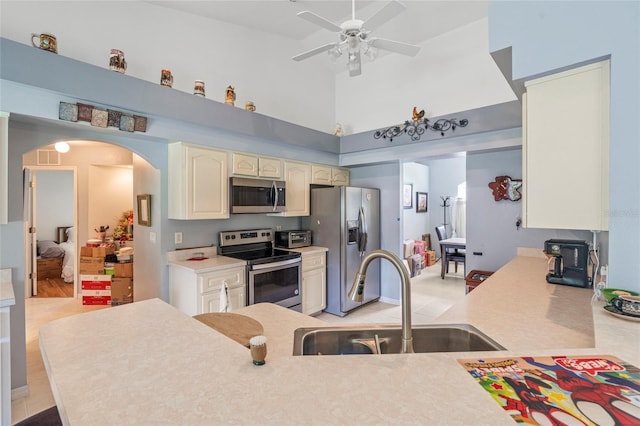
point(314, 282)
point(327, 175)
point(198, 187)
point(566, 149)
point(297, 177)
point(339, 176)
point(251, 165)
point(197, 293)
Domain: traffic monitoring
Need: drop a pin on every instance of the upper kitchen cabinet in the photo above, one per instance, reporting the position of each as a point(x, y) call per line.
point(198, 186)
point(327, 175)
point(251, 165)
point(297, 177)
point(565, 148)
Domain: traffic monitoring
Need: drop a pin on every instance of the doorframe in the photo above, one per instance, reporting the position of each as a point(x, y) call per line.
point(28, 270)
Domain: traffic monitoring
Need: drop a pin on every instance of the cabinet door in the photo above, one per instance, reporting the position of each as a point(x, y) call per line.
point(297, 177)
point(340, 177)
point(245, 165)
point(320, 175)
point(566, 150)
point(314, 291)
point(198, 184)
point(270, 168)
point(211, 301)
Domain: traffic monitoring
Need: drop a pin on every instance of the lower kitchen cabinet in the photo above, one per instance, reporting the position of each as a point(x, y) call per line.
point(314, 282)
point(199, 293)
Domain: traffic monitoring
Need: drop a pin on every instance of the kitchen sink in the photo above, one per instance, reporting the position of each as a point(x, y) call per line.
point(387, 339)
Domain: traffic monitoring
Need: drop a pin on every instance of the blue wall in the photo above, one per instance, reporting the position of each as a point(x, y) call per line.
point(550, 36)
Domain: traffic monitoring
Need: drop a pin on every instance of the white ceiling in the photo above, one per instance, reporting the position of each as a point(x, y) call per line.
point(422, 20)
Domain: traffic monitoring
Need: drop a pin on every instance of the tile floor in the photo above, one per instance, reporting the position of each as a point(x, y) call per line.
point(430, 296)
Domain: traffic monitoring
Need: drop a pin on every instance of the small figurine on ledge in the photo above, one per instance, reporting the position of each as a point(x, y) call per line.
point(231, 96)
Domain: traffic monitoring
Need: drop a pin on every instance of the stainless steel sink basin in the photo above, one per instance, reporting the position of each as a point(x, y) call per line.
point(386, 339)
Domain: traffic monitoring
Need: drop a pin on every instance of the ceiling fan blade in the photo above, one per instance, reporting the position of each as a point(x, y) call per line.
point(319, 20)
point(392, 9)
point(312, 52)
point(395, 46)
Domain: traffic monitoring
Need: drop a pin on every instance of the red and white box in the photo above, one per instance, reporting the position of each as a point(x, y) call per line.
point(96, 289)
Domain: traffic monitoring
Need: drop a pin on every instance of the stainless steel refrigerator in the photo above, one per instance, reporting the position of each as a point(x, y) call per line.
point(346, 220)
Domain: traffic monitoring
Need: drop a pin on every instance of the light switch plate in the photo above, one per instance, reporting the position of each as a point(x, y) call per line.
point(178, 237)
point(152, 237)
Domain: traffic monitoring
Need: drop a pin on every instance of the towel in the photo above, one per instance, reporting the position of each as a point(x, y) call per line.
point(225, 303)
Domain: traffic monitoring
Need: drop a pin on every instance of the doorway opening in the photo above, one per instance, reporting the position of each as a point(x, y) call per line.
point(67, 202)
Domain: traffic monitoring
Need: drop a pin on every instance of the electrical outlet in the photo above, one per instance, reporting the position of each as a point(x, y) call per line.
point(178, 237)
point(278, 228)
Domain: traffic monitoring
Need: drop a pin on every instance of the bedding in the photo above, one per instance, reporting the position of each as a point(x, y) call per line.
point(65, 249)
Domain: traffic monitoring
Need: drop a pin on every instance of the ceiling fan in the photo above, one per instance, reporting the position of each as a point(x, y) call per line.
point(354, 37)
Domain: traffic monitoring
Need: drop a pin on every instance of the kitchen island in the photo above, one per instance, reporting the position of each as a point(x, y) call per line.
point(147, 363)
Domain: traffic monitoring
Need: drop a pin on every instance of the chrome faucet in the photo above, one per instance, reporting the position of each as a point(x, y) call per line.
point(357, 291)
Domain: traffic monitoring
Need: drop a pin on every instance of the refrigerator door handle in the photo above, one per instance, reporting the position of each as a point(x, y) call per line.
point(362, 243)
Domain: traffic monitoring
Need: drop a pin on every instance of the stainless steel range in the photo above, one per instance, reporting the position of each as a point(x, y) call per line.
point(273, 275)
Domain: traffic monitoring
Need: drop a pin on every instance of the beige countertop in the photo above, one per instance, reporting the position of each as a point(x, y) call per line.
point(151, 364)
point(212, 262)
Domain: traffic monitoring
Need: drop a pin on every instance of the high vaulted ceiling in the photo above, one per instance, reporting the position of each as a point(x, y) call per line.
point(422, 20)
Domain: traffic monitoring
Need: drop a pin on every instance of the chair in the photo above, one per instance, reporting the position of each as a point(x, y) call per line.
point(453, 255)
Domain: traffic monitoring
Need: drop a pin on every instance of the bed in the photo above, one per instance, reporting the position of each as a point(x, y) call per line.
point(56, 259)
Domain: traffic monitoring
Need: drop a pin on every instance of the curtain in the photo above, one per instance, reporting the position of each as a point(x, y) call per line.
point(459, 218)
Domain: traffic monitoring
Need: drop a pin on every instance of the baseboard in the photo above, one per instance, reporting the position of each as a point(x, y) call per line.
point(21, 392)
point(389, 300)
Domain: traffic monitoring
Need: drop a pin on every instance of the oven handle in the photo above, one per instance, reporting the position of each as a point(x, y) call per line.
point(275, 264)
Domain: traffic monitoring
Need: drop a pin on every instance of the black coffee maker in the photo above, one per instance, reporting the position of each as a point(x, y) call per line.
point(569, 260)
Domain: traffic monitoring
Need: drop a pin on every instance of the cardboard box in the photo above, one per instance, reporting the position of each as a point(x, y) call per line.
point(417, 264)
point(429, 258)
point(95, 282)
point(418, 247)
point(86, 251)
point(102, 252)
point(96, 300)
point(123, 270)
point(407, 248)
point(91, 266)
point(96, 289)
point(121, 291)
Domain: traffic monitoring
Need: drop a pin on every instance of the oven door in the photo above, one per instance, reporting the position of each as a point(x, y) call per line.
point(277, 282)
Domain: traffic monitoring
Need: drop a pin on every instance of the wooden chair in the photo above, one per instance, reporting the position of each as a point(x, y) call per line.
point(453, 255)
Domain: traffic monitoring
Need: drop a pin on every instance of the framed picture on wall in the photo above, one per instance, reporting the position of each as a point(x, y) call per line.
point(421, 202)
point(407, 195)
point(144, 210)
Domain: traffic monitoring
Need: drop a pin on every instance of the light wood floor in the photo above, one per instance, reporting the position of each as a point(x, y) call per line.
point(54, 287)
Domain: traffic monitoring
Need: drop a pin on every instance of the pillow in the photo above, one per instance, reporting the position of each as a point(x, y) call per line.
point(50, 249)
point(70, 234)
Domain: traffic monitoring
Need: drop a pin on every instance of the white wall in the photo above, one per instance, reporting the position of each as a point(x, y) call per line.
point(415, 224)
point(54, 202)
point(152, 37)
point(110, 195)
point(453, 72)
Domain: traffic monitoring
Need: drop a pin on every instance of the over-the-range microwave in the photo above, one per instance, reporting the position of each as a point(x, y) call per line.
point(249, 195)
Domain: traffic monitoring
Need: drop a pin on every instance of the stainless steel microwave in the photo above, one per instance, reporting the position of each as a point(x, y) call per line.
point(249, 195)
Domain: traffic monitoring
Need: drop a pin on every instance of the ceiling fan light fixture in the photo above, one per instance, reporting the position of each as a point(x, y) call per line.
point(335, 53)
point(371, 52)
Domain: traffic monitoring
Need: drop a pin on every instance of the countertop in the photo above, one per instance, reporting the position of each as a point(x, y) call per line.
point(212, 262)
point(151, 364)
